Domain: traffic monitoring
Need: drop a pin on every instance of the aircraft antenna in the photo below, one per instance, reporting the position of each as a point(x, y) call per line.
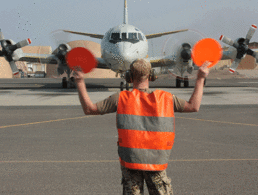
point(125, 13)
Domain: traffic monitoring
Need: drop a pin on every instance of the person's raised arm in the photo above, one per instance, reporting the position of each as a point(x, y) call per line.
point(194, 102)
point(88, 107)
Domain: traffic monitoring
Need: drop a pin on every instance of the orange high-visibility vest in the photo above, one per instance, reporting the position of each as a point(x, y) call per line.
point(145, 124)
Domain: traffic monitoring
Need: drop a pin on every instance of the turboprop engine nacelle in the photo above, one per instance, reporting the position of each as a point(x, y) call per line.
point(183, 58)
point(185, 52)
point(60, 55)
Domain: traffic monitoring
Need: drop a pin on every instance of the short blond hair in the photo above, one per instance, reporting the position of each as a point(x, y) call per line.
point(140, 69)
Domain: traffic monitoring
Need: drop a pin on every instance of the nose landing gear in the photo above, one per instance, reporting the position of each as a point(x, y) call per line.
point(185, 80)
point(124, 84)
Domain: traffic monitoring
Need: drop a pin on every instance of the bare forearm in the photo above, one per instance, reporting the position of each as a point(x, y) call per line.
point(87, 105)
point(196, 98)
point(194, 103)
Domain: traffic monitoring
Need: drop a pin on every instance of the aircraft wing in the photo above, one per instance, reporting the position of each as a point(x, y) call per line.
point(51, 59)
point(150, 36)
point(161, 61)
point(39, 58)
point(98, 36)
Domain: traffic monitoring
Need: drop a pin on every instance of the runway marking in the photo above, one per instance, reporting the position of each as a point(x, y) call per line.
point(111, 161)
point(196, 119)
point(41, 122)
point(247, 82)
point(57, 120)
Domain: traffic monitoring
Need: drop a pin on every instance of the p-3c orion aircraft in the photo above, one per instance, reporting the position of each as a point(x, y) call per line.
point(120, 46)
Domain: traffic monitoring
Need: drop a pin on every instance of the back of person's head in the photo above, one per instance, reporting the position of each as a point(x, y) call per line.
point(140, 69)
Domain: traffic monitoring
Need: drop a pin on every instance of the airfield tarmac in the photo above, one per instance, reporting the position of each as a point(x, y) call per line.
point(48, 146)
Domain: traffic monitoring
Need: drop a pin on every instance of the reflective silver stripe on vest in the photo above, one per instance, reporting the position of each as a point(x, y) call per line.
point(145, 123)
point(143, 156)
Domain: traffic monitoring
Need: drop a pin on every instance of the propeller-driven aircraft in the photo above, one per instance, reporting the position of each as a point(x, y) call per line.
point(120, 46)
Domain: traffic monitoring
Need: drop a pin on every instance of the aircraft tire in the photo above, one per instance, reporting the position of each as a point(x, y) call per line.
point(122, 86)
point(73, 79)
point(186, 82)
point(178, 82)
point(127, 86)
point(64, 82)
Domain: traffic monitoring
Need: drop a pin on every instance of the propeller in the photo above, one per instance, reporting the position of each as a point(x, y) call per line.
point(11, 51)
point(241, 45)
point(177, 52)
point(61, 40)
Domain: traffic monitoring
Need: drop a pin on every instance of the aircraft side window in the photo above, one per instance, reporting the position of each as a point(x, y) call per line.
point(140, 36)
point(115, 36)
point(133, 36)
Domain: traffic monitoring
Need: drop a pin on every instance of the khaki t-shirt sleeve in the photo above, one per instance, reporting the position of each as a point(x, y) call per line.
point(108, 105)
point(179, 104)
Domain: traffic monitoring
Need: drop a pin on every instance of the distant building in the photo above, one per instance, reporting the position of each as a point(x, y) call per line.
point(34, 67)
point(253, 45)
point(5, 69)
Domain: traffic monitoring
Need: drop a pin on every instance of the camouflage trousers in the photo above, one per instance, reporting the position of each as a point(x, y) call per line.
point(157, 182)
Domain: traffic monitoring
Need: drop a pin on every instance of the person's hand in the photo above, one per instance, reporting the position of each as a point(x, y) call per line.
point(203, 70)
point(78, 75)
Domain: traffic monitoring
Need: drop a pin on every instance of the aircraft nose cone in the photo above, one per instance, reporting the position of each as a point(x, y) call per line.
point(127, 53)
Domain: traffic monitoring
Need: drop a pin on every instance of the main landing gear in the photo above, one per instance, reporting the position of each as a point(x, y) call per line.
point(124, 84)
point(180, 80)
point(70, 83)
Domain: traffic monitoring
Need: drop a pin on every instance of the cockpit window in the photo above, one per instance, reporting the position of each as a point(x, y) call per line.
point(129, 37)
point(132, 36)
point(115, 36)
point(124, 37)
point(140, 36)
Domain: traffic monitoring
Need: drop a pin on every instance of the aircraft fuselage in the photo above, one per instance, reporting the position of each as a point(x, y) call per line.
point(122, 45)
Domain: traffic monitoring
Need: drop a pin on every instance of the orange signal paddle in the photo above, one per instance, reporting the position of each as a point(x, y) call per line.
point(207, 49)
point(82, 58)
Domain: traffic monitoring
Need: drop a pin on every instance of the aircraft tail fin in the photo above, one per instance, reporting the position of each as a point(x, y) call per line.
point(125, 13)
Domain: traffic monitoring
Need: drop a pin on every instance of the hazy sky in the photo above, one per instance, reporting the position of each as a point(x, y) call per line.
point(36, 19)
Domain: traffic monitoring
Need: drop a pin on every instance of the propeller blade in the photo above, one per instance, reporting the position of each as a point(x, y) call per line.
point(234, 65)
point(250, 33)
point(1, 35)
point(23, 43)
point(252, 53)
point(14, 67)
point(227, 40)
point(60, 37)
